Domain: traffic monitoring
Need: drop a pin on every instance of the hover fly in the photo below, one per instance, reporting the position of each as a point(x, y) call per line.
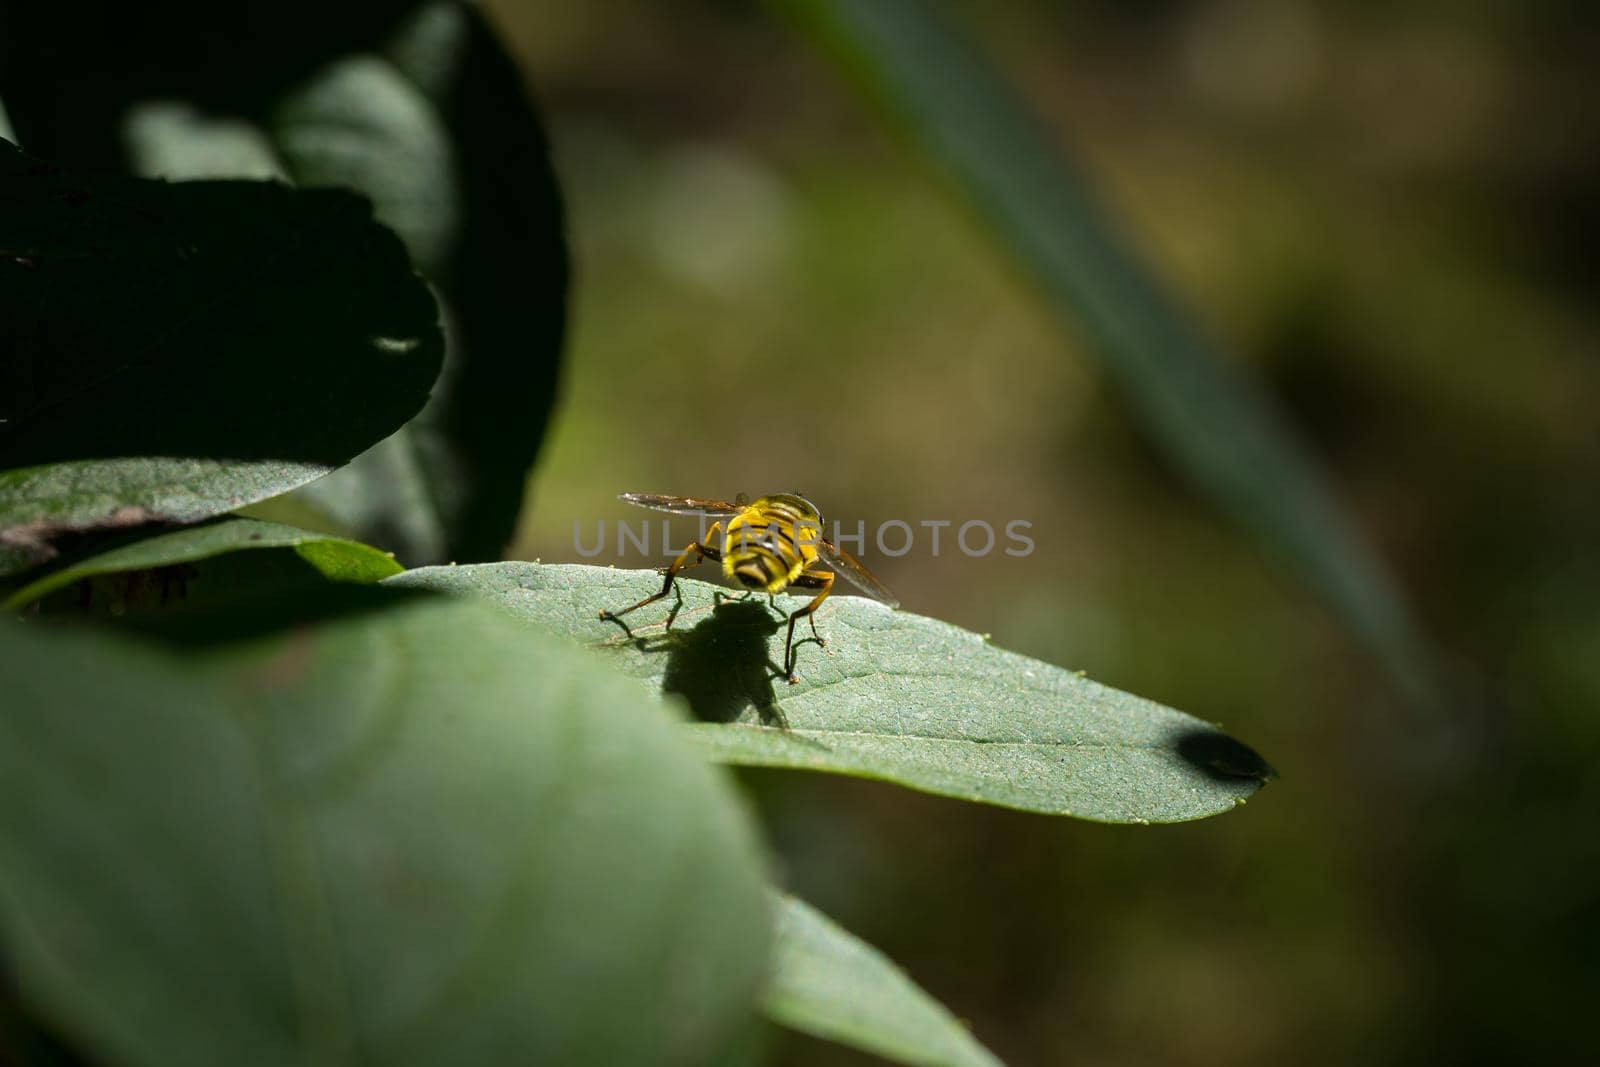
point(771, 544)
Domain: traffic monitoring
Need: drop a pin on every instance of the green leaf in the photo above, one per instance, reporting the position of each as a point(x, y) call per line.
point(828, 983)
point(177, 351)
point(435, 125)
point(413, 834)
point(894, 696)
point(334, 558)
point(1212, 422)
point(416, 106)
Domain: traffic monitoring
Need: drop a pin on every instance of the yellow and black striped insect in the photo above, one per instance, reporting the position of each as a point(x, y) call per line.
point(771, 544)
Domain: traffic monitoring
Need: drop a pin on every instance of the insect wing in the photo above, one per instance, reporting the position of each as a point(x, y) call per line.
point(856, 573)
point(681, 505)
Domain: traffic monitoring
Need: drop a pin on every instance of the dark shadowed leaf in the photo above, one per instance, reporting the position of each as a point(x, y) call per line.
point(828, 983)
point(1210, 420)
point(175, 351)
point(335, 559)
point(894, 696)
point(413, 104)
point(415, 834)
point(436, 127)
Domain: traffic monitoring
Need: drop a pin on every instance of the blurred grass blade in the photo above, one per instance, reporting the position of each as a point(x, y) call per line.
point(893, 696)
point(1211, 422)
point(828, 983)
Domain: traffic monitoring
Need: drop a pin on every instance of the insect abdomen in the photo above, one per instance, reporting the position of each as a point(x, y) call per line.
point(768, 545)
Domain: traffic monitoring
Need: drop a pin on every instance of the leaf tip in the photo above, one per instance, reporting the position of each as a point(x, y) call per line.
point(1220, 755)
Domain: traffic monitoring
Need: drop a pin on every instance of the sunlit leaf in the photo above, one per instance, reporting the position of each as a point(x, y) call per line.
point(894, 696)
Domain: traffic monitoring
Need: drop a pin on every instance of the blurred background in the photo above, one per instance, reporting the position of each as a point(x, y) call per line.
point(1387, 214)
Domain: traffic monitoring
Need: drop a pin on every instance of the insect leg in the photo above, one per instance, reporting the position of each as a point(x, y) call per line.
point(689, 557)
point(807, 580)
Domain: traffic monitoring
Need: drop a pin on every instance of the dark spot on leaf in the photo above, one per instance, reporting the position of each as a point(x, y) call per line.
point(1220, 756)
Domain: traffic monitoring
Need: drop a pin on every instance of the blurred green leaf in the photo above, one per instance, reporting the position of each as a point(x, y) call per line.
point(175, 351)
point(415, 105)
point(336, 559)
point(415, 834)
point(894, 696)
point(1210, 420)
point(828, 983)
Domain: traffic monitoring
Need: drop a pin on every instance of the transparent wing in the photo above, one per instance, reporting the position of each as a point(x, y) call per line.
point(858, 575)
point(682, 505)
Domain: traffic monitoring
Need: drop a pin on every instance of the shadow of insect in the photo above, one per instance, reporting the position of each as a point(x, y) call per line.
point(722, 665)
